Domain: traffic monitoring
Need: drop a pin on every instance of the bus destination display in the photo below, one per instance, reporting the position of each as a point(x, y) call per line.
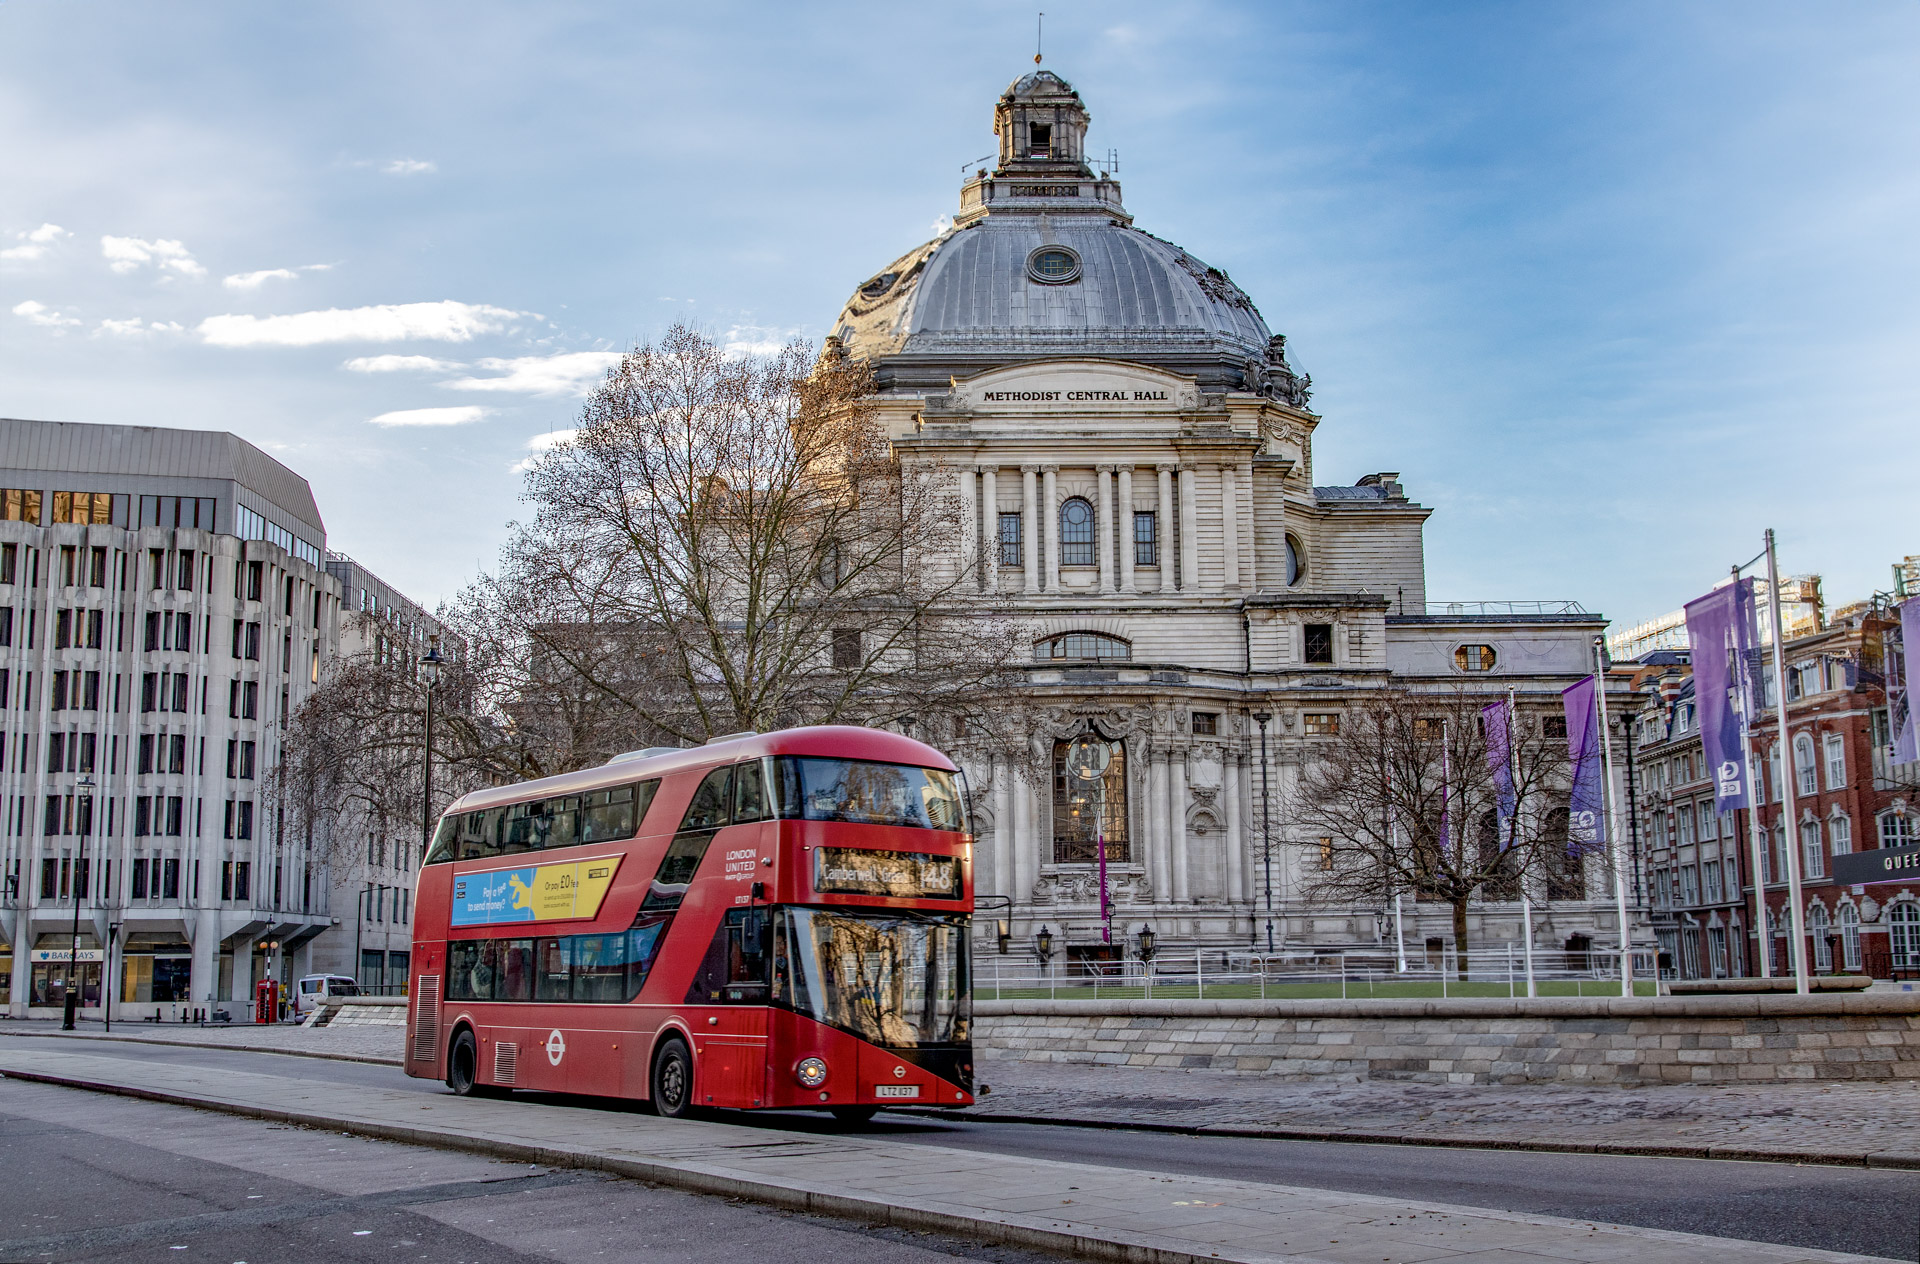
point(900, 874)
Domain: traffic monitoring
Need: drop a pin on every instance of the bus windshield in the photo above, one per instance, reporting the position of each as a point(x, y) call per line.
point(896, 979)
point(862, 792)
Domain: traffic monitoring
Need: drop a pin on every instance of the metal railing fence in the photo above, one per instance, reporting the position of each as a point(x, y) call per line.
point(1215, 974)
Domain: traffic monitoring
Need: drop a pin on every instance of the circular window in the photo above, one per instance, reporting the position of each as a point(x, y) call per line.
point(1053, 265)
point(1296, 561)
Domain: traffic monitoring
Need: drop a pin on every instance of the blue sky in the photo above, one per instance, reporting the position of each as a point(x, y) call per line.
point(1614, 287)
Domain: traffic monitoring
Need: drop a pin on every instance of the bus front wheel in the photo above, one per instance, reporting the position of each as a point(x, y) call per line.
point(672, 1087)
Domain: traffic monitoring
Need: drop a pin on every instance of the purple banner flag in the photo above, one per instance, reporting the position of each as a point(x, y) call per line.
point(1720, 628)
point(1498, 725)
point(1586, 820)
point(1906, 728)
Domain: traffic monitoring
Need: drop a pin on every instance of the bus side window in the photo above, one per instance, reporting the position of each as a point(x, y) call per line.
point(643, 948)
point(446, 840)
point(606, 815)
point(553, 974)
point(749, 792)
point(516, 829)
point(708, 810)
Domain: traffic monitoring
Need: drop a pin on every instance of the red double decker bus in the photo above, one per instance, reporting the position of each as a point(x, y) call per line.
point(765, 922)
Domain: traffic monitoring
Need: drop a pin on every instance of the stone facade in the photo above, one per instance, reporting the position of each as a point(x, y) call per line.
point(1696, 1040)
point(1130, 454)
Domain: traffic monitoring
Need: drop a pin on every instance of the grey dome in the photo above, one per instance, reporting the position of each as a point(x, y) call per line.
point(969, 300)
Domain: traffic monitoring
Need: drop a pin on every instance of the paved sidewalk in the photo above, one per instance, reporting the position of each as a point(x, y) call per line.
point(351, 1044)
point(1865, 1123)
point(1088, 1211)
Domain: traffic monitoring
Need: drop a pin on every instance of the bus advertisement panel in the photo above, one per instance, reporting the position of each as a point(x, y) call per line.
point(772, 921)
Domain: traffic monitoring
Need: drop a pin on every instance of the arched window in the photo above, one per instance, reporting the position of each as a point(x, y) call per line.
point(1850, 936)
point(1896, 829)
point(1818, 927)
point(1081, 645)
point(1812, 863)
point(1087, 812)
point(1903, 935)
point(1805, 771)
point(1566, 876)
point(1076, 533)
point(1840, 834)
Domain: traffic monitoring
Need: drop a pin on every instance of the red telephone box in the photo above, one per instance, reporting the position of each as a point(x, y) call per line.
point(266, 1001)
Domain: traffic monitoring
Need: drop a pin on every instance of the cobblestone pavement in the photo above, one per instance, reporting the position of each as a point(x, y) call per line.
point(1832, 1121)
point(1861, 1122)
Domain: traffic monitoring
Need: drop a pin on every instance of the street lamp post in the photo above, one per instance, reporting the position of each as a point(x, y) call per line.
point(1266, 824)
point(72, 1009)
point(430, 665)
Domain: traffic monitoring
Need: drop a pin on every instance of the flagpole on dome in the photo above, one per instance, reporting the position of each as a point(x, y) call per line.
point(1613, 818)
point(1801, 983)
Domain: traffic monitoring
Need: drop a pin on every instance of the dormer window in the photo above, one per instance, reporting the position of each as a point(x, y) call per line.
point(1039, 140)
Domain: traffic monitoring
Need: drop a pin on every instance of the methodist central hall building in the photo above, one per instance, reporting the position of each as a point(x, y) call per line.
point(1133, 456)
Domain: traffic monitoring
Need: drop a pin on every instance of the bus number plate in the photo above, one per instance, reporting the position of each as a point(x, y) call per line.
point(896, 1090)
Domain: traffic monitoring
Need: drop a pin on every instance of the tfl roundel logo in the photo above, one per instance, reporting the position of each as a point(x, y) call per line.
point(556, 1047)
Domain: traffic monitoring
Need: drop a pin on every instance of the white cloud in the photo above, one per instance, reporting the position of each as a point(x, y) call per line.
point(569, 373)
point(409, 167)
point(133, 328)
point(431, 416)
point(125, 254)
point(541, 444)
point(400, 364)
point(41, 314)
point(37, 242)
point(745, 340)
point(445, 321)
point(254, 280)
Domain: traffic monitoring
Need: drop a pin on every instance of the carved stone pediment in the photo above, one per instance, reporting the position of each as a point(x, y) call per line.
point(1071, 887)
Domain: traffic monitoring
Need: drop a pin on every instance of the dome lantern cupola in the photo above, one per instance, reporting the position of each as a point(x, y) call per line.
point(1042, 127)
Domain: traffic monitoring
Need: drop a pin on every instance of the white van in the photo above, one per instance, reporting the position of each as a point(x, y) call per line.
point(315, 988)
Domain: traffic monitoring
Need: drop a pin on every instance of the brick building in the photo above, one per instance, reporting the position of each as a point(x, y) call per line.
point(1847, 796)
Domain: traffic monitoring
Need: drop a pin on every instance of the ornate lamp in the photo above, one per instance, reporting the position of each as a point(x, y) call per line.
point(1043, 945)
point(1146, 943)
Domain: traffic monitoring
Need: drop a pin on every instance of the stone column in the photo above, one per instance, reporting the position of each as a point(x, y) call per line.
point(990, 522)
point(1103, 522)
point(1002, 827)
point(1230, 525)
point(1177, 823)
point(1231, 783)
point(969, 531)
point(1051, 495)
point(1157, 825)
point(205, 970)
point(1126, 529)
point(1169, 572)
point(1189, 532)
point(1020, 889)
point(1030, 528)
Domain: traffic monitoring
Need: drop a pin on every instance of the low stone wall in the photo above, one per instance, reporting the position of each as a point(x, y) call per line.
point(1703, 1039)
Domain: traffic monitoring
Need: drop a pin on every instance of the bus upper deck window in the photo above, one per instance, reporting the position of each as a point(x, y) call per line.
point(749, 792)
point(709, 808)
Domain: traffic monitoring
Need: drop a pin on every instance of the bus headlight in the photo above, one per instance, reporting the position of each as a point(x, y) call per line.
point(812, 1072)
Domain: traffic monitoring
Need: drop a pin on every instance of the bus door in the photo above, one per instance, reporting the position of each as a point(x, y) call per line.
point(731, 1053)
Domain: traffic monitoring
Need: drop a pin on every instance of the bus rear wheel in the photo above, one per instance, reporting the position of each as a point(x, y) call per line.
point(463, 1065)
point(672, 1084)
point(853, 1116)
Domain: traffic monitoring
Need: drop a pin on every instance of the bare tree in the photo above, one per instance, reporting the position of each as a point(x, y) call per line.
point(725, 543)
point(731, 543)
point(1403, 800)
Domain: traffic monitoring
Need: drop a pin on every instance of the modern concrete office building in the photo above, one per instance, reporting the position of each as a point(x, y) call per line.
point(165, 604)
